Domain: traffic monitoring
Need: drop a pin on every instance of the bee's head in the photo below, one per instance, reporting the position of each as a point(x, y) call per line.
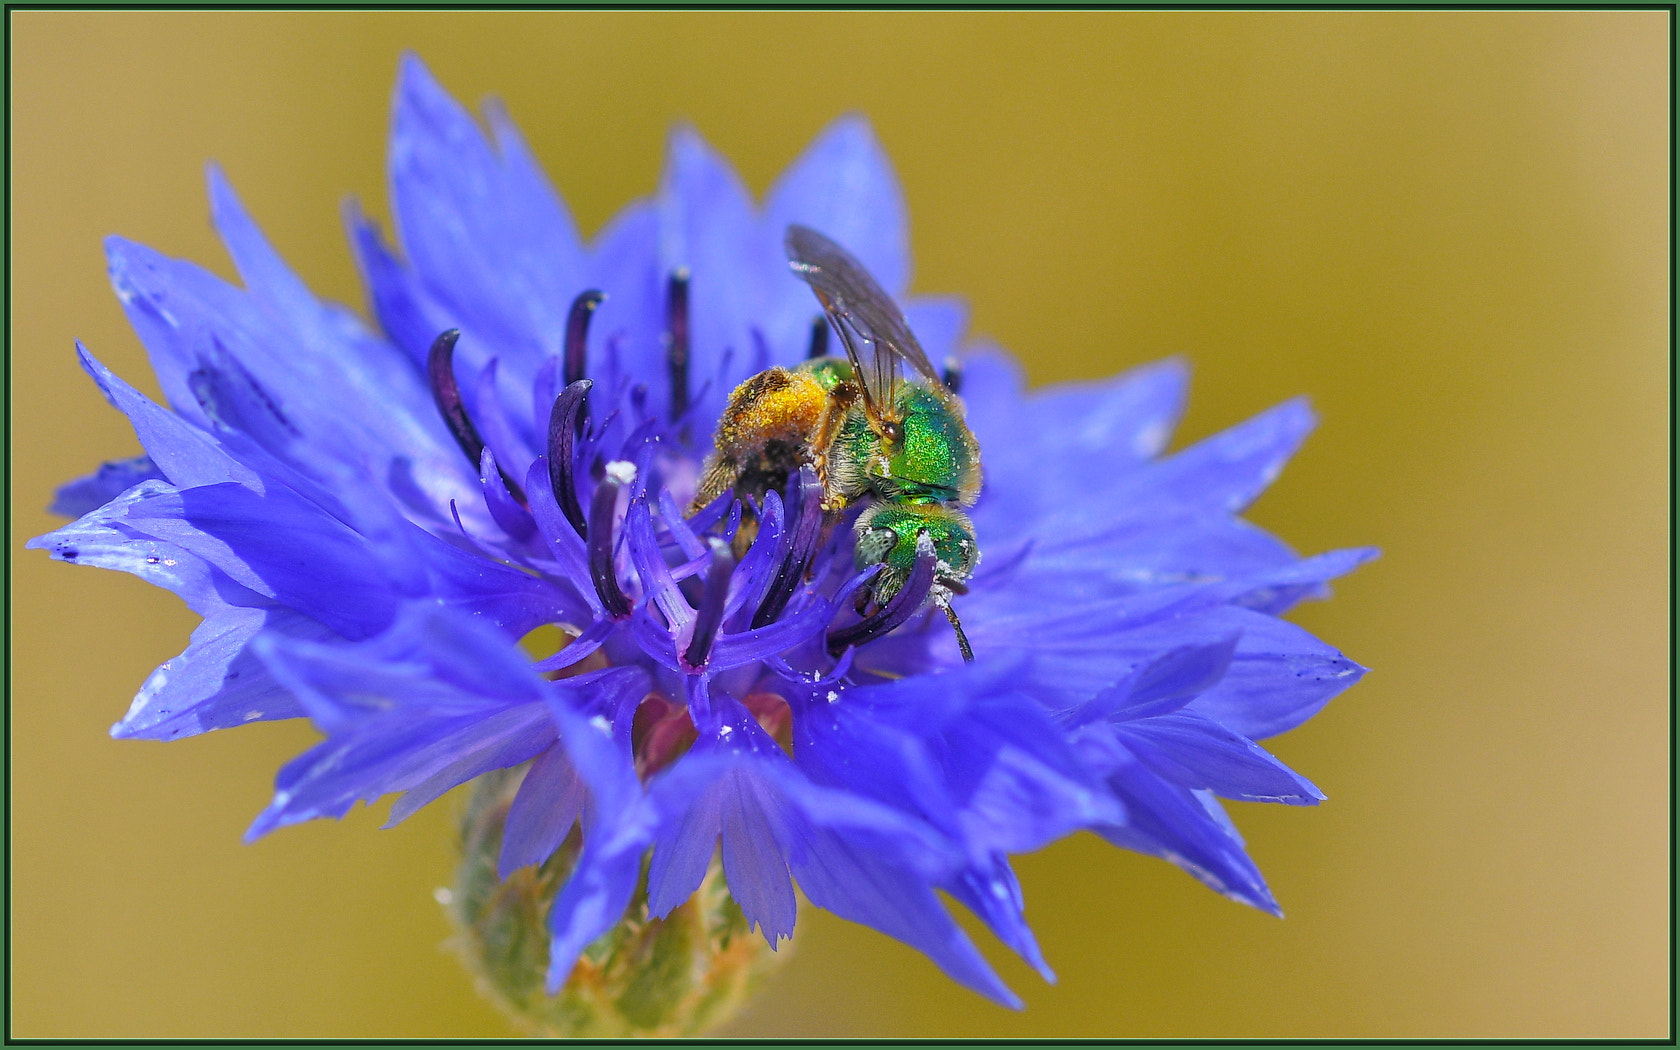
point(886, 536)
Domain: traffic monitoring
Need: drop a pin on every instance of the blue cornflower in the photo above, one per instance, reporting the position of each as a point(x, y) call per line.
point(370, 521)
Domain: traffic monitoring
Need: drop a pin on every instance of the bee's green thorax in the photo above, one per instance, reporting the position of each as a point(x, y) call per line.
point(936, 450)
point(930, 461)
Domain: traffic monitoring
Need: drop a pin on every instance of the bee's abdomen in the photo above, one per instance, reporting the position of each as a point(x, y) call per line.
point(765, 434)
point(775, 406)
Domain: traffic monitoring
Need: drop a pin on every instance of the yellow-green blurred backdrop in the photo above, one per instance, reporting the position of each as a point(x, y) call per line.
point(1450, 228)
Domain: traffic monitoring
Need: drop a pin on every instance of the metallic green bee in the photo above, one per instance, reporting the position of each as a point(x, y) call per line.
point(870, 433)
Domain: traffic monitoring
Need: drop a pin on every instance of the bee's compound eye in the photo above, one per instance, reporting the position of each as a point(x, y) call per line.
point(965, 555)
point(873, 545)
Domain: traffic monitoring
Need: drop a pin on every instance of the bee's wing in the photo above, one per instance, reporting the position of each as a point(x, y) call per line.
point(869, 323)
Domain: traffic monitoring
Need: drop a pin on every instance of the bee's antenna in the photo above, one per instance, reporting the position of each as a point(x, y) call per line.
point(944, 603)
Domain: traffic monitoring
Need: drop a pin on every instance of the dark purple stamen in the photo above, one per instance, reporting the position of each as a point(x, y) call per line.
point(676, 340)
point(562, 429)
point(733, 525)
point(709, 616)
point(819, 339)
point(601, 568)
point(577, 335)
point(797, 551)
point(903, 605)
point(440, 369)
point(952, 375)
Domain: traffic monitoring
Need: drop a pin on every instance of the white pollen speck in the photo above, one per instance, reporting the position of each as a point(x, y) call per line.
point(833, 696)
point(252, 716)
point(444, 896)
point(622, 471)
point(600, 722)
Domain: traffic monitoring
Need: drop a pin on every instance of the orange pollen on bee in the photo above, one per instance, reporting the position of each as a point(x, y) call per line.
point(775, 405)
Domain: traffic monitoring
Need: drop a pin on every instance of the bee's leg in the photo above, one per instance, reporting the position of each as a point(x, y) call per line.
point(840, 401)
point(720, 476)
point(861, 603)
point(944, 603)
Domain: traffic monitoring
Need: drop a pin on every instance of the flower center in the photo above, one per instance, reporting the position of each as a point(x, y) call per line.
point(750, 591)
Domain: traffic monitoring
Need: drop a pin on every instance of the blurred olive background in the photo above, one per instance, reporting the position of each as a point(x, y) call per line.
point(1451, 229)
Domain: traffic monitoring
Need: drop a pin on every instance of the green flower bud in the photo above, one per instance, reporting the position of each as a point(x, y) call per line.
point(675, 976)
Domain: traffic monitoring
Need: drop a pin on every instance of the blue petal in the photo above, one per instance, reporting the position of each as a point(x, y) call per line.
point(1197, 752)
point(719, 790)
point(1185, 827)
point(218, 681)
point(707, 225)
point(844, 186)
point(1162, 685)
point(1031, 485)
point(631, 320)
point(270, 281)
point(484, 233)
point(514, 519)
point(549, 801)
point(389, 754)
point(1130, 552)
point(965, 751)
point(618, 827)
point(859, 884)
point(580, 604)
point(758, 878)
point(852, 856)
point(1073, 438)
point(295, 383)
point(499, 741)
point(1032, 790)
point(993, 392)
point(591, 902)
point(687, 839)
point(1223, 473)
point(231, 398)
point(105, 538)
point(1280, 676)
point(939, 324)
point(279, 546)
point(1079, 642)
point(184, 453)
point(992, 892)
point(76, 498)
point(407, 313)
point(435, 701)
